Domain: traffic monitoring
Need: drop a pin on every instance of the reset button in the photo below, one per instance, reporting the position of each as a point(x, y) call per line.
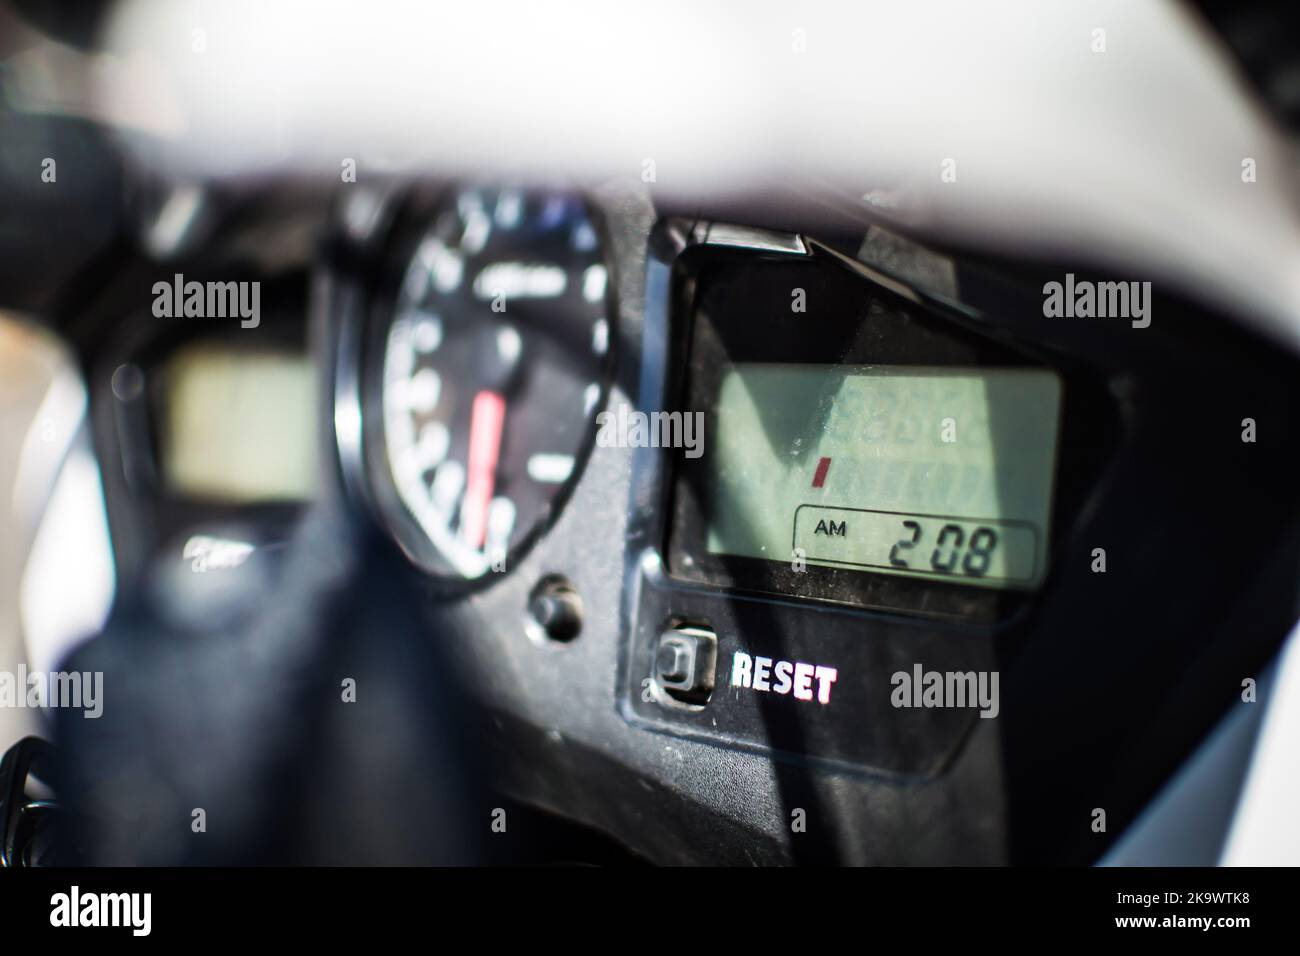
point(684, 664)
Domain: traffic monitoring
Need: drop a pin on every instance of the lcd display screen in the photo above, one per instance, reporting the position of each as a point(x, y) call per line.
point(239, 426)
point(930, 472)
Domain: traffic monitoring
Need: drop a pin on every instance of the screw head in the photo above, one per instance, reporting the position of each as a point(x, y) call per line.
point(555, 609)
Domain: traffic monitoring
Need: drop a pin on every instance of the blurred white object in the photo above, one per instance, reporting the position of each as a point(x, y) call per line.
point(1232, 802)
point(56, 567)
point(209, 553)
point(68, 585)
point(1103, 130)
point(1266, 829)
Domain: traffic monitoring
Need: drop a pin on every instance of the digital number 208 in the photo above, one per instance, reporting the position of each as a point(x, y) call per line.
point(952, 551)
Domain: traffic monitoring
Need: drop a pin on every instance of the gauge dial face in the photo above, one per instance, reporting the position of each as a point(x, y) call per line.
point(492, 369)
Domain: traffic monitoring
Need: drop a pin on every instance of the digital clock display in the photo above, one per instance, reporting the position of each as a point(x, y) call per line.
point(933, 472)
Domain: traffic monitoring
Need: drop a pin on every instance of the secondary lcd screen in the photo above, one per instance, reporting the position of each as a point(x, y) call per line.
point(239, 426)
point(932, 472)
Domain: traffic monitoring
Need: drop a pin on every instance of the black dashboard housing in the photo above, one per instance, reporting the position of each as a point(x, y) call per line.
point(1108, 680)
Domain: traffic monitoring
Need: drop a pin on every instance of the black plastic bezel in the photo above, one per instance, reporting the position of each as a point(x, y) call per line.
point(724, 312)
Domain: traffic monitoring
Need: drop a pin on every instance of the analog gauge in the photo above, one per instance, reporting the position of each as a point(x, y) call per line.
point(493, 357)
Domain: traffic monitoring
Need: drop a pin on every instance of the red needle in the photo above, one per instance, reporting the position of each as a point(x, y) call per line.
point(486, 421)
